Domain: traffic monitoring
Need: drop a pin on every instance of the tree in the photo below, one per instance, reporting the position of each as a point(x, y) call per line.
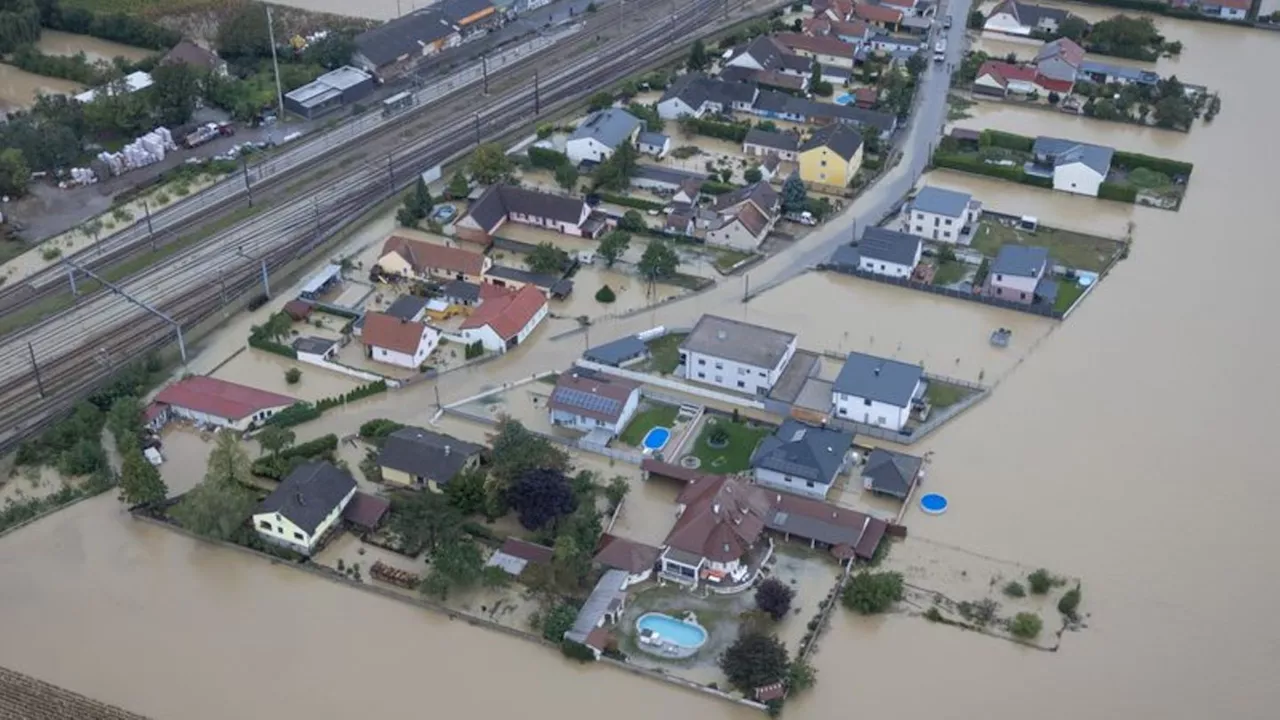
point(1069, 602)
point(140, 481)
point(976, 20)
point(292, 376)
point(174, 92)
point(516, 451)
point(916, 65)
point(774, 597)
point(599, 101)
point(752, 174)
point(124, 419)
point(567, 176)
point(1025, 625)
point(547, 259)
point(558, 621)
point(633, 222)
point(458, 186)
point(1040, 581)
point(420, 199)
point(1054, 98)
point(614, 245)
point(274, 438)
point(659, 261)
point(456, 564)
point(870, 593)
point(755, 660)
point(1073, 27)
point(698, 59)
point(616, 171)
point(801, 676)
point(815, 76)
point(541, 497)
point(653, 122)
point(616, 491)
point(1014, 589)
point(15, 174)
point(331, 51)
point(425, 520)
point(1174, 112)
point(605, 295)
point(490, 164)
point(219, 506)
point(570, 561)
point(466, 492)
point(244, 35)
point(794, 195)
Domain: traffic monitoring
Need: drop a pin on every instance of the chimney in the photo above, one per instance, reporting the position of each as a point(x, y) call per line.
point(716, 508)
point(877, 370)
point(447, 450)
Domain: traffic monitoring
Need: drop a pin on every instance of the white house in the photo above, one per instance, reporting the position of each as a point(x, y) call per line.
point(504, 319)
point(1016, 18)
point(695, 94)
point(943, 215)
point(396, 341)
point(802, 459)
point(315, 350)
point(209, 401)
point(500, 203)
point(1225, 9)
point(889, 252)
point(876, 391)
point(743, 227)
point(1075, 167)
point(762, 143)
point(603, 132)
point(736, 355)
point(1017, 272)
point(587, 401)
point(653, 143)
point(306, 504)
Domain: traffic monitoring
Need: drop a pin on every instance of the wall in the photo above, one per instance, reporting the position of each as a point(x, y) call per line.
point(587, 148)
point(280, 531)
point(934, 226)
point(532, 325)
point(734, 235)
point(736, 376)
point(397, 477)
point(1041, 309)
point(1077, 178)
point(889, 269)
point(393, 357)
point(791, 484)
point(673, 385)
point(1005, 23)
point(854, 408)
point(349, 371)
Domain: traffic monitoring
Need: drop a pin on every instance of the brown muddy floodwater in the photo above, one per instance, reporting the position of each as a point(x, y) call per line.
point(373, 9)
point(1128, 450)
point(53, 42)
point(19, 88)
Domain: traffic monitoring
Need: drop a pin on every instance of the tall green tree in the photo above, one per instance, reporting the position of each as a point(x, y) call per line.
point(124, 420)
point(140, 481)
point(516, 450)
point(698, 58)
point(613, 246)
point(566, 176)
point(175, 92)
point(458, 186)
point(244, 35)
point(547, 259)
point(616, 171)
point(456, 564)
point(755, 660)
point(490, 164)
point(794, 194)
point(659, 261)
point(219, 506)
point(15, 174)
point(19, 24)
point(425, 520)
point(274, 439)
point(466, 492)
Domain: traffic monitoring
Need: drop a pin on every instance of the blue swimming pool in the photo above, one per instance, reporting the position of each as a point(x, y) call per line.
point(933, 503)
point(687, 635)
point(845, 99)
point(656, 438)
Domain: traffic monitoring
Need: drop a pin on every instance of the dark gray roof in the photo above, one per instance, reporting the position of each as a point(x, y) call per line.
point(459, 10)
point(839, 138)
point(941, 201)
point(500, 200)
point(845, 256)
point(1020, 260)
point(652, 138)
point(407, 307)
point(761, 194)
point(609, 127)
point(313, 345)
point(803, 451)
point(608, 589)
point(403, 36)
point(878, 379)
point(1066, 152)
point(309, 494)
point(891, 472)
point(550, 283)
point(889, 246)
point(618, 351)
point(694, 89)
point(738, 341)
point(1030, 15)
point(424, 453)
point(884, 122)
point(763, 49)
point(798, 63)
point(776, 140)
point(460, 290)
point(670, 176)
point(1047, 290)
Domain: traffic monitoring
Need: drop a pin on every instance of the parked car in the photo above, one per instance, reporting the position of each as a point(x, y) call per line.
point(946, 22)
point(444, 213)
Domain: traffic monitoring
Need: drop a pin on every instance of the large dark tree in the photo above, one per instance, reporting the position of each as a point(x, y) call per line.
point(244, 35)
point(456, 564)
point(755, 660)
point(541, 497)
point(425, 521)
point(517, 451)
point(774, 597)
point(175, 92)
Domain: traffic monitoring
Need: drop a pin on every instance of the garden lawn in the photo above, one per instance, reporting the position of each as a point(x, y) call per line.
point(736, 457)
point(941, 395)
point(650, 417)
point(1067, 294)
point(950, 272)
point(726, 259)
point(666, 353)
point(1074, 250)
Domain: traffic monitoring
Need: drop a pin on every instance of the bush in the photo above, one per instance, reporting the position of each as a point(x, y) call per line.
point(292, 376)
point(295, 414)
point(1069, 601)
point(1014, 589)
point(544, 132)
point(1118, 192)
point(637, 203)
point(1006, 140)
point(712, 187)
point(733, 132)
point(870, 593)
point(277, 466)
point(1132, 161)
point(575, 650)
point(379, 428)
point(547, 159)
point(558, 621)
point(605, 295)
point(1026, 625)
point(1040, 581)
point(474, 350)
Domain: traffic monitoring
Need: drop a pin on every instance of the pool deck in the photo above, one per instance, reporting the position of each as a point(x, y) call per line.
point(666, 648)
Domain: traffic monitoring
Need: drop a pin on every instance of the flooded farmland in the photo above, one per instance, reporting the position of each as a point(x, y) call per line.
point(53, 42)
point(1087, 460)
point(19, 88)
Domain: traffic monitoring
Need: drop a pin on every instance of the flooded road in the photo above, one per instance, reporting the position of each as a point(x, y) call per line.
point(1090, 459)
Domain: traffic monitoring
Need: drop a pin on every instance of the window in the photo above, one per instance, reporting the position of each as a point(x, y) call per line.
point(999, 291)
point(741, 384)
point(999, 278)
point(264, 525)
point(919, 216)
point(297, 536)
point(742, 371)
point(866, 401)
point(786, 479)
point(808, 483)
point(844, 410)
point(881, 266)
point(720, 379)
point(948, 222)
point(702, 375)
point(719, 366)
point(702, 361)
point(762, 373)
point(919, 228)
point(882, 420)
point(824, 163)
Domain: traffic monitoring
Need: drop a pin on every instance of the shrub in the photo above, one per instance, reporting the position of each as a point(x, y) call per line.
point(575, 650)
point(605, 294)
point(292, 376)
point(295, 414)
point(712, 187)
point(1040, 581)
point(558, 621)
point(544, 132)
point(1118, 192)
point(1026, 625)
point(1009, 141)
point(474, 350)
point(637, 203)
point(277, 466)
point(379, 428)
point(933, 614)
point(774, 597)
point(1132, 161)
point(1069, 601)
point(733, 132)
point(546, 159)
point(870, 593)
point(52, 252)
point(1014, 589)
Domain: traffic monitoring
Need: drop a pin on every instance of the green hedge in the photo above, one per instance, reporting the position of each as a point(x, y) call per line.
point(273, 347)
point(1006, 140)
point(969, 164)
point(295, 414)
point(277, 466)
point(379, 428)
point(637, 203)
point(336, 312)
point(547, 159)
point(713, 187)
point(1116, 191)
point(1130, 161)
point(733, 132)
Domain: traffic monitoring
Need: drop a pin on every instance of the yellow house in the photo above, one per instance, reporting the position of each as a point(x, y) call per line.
point(831, 156)
point(421, 260)
point(415, 458)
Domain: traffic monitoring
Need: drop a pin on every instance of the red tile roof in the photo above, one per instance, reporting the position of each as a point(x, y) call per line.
point(220, 398)
point(423, 255)
point(624, 554)
point(509, 313)
point(1003, 72)
point(824, 44)
point(599, 638)
point(868, 530)
point(390, 332)
point(853, 28)
point(366, 510)
point(878, 13)
point(1048, 83)
point(298, 309)
point(152, 411)
point(527, 551)
point(723, 517)
point(816, 25)
point(866, 96)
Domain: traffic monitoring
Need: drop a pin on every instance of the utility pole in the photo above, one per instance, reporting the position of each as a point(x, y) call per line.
point(537, 101)
point(275, 63)
point(266, 286)
point(477, 129)
point(244, 165)
point(391, 176)
point(151, 233)
point(36, 369)
point(484, 68)
point(177, 327)
point(746, 287)
point(71, 275)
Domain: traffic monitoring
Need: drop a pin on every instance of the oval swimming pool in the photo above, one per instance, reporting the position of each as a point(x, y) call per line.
point(656, 438)
point(687, 635)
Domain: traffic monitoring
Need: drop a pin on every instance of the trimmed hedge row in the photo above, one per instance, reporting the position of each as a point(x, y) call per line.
point(1156, 7)
point(359, 393)
point(1118, 192)
point(713, 187)
point(277, 466)
point(637, 203)
point(272, 346)
point(547, 159)
point(1130, 161)
point(295, 414)
point(1006, 140)
point(733, 132)
point(379, 428)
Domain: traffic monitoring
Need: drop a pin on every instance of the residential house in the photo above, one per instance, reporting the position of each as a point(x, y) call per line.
point(420, 260)
point(794, 84)
point(1074, 167)
point(745, 217)
point(769, 167)
point(314, 349)
point(762, 143)
point(831, 156)
point(801, 458)
point(637, 560)
point(694, 94)
point(1001, 79)
point(943, 215)
point(892, 473)
point(896, 45)
point(416, 458)
point(410, 308)
point(619, 353)
point(209, 401)
point(603, 132)
point(1060, 60)
point(589, 401)
point(889, 252)
point(877, 391)
point(736, 355)
point(1017, 273)
point(719, 521)
point(847, 534)
point(604, 606)
point(823, 49)
point(189, 53)
point(500, 203)
point(1015, 18)
point(460, 294)
point(680, 220)
point(504, 319)
point(553, 286)
point(909, 8)
point(307, 503)
point(881, 16)
point(662, 179)
point(653, 143)
point(689, 190)
point(769, 54)
point(1237, 10)
point(396, 44)
point(1097, 72)
point(761, 195)
point(515, 555)
point(403, 343)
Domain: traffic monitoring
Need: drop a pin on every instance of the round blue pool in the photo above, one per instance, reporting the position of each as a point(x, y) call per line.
point(656, 438)
point(686, 635)
point(933, 503)
point(845, 99)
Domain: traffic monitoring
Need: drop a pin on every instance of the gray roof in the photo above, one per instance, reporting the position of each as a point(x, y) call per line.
point(803, 451)
point(424, 453)
point(313, 345)
point(838, 137)
point(941, 202)
point(694, 89)
point(889, 245)
point(610, 127)
point(738, 341)
point(670, 176)
point(460, 290)
point(404, 35)
point(652, 138)
point(606, 591)
point(407, 307)
point(776, 140)
point(813, 111)
point(1020, 260)
point(878, 379)
point(550, 283)
point(763, 49)
point(845, 256)
point(309, 494)
point(761, 194)
point(618, 351)
point(1065, 152)
point(1030, 15)
point(498, 201)
point(328, 85)
point(891, 472)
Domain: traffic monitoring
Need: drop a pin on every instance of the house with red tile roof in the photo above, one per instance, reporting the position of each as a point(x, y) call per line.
point(1002, 79)
point(881, 16)
point(397, 341)
point(824, 49)
point(504, 318)
point(211, 401)
point(421, 260)
point(636, 559)
point(591, 401)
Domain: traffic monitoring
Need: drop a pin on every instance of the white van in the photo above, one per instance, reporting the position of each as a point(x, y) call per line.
point(940, 51)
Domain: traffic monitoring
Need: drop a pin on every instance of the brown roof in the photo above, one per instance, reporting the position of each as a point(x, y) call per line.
point(824, 44)
point(878, 13)
point(670, 470)
point(722, 518)
point(390, 332)
point(773, 78)
point(826, 523)
point(22, 696)
point(423, 256)
point(751, 219)
point(761, 194)
point(220, 398)
point(816, 25)
point(507, 314)
point(853, 28)
point(599, 638)
point(298, 309)
point(192, 54)
point(593, 395)
point(527, 551)
point(624, 554)
point(366, 510)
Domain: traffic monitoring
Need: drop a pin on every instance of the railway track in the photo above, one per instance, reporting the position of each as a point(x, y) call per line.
point(81, 348)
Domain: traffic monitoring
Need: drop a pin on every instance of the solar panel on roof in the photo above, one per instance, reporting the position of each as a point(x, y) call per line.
point(587, 401)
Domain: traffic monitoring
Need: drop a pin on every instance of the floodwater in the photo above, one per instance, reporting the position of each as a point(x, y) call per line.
point(53, 42)
point(372, 9)
point(1129, 450)
point(19, 88)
